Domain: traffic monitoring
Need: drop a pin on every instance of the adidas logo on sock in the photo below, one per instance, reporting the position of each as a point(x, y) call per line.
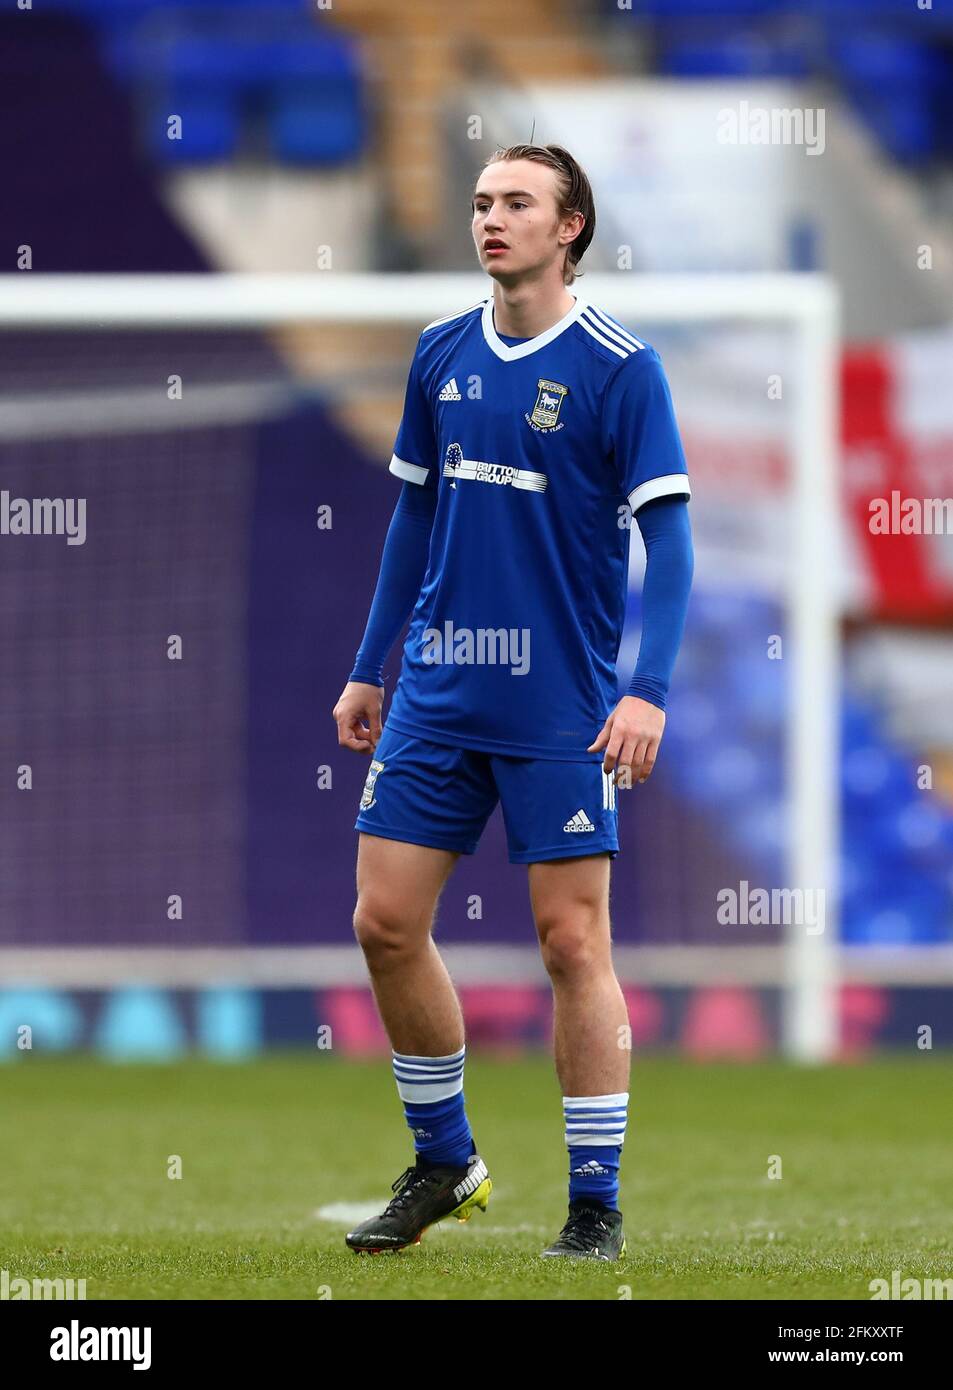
point(589, 1170)
point(450, 392)
point(579, 822)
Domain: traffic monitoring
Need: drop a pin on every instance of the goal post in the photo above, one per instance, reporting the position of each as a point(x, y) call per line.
point(805, 305)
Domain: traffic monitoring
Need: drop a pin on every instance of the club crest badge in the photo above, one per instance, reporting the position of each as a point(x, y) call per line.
point(368, 798)
point(549, 398)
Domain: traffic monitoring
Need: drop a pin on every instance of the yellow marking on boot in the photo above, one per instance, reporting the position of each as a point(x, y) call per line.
point(479, 1198)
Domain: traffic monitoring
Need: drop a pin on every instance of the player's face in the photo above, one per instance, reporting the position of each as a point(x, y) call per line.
point(516, 229)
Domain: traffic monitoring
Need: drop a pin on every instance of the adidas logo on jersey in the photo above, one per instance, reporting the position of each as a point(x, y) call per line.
point(579, 822)
point(450, 391)
point(589, 1170)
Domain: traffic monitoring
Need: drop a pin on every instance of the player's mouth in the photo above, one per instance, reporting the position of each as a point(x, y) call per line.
point(493, 246)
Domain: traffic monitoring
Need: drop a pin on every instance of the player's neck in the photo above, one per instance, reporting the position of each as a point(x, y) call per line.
point(526, 310)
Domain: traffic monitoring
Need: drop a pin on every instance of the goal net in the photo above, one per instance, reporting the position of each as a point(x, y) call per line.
point(194, 500)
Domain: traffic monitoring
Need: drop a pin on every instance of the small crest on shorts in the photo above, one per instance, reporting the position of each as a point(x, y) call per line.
point(367, 796)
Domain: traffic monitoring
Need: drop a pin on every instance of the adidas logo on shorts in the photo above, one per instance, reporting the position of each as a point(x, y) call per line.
point(577, 823)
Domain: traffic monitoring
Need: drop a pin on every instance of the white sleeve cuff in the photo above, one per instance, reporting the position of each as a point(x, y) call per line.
point(672, 484)
point(410, 472)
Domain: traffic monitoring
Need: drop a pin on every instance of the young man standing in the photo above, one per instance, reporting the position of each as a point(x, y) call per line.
point(534, 427)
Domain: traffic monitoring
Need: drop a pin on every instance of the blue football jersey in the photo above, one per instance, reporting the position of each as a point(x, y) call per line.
point(540, 452)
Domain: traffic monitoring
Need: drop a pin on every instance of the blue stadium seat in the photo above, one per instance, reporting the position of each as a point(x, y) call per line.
point(106, 10)
point(734, 612)
point(210, 130)
point(918, 832)
point(839, 10)
point(191, 61)
point(731, 775)
point(881, 62)
point(903, 123)
point(698, 9)
point(230, 6)
point(874, 776)
point(305, 84)
point(323, 129)
point(891, 911)
point(762, 832)
point(858, 723)
point(112, 11)
point(308, 57)
point(897, 845)
point(896, 84)
point(759, 689)
point(742, 55)
point(241, 56)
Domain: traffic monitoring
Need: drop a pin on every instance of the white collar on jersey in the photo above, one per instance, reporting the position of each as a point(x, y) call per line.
point(509, 352)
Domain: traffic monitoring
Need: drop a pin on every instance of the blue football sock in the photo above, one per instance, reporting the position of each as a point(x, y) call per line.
point(595, 1133)
point(432, 1091)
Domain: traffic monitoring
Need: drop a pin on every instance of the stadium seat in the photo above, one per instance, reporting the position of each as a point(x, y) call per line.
point(323, 129)
point(903, 124)
point(112, 11)
point(881, 63)
point(896, 847)
point(210, 130)
point(873, 774)
point(896, 85)
point(699, 9)
point(304, 84)
point(743, 55)
point(222, 59)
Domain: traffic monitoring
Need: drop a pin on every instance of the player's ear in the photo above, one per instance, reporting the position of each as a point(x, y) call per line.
point(573, 225)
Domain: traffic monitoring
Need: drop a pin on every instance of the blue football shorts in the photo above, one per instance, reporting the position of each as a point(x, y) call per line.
point(434, 794)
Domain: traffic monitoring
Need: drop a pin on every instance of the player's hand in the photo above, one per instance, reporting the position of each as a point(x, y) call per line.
point(631, 736)
point(358, 716)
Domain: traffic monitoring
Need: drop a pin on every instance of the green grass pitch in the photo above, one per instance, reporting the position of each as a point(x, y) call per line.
point(269, 1146)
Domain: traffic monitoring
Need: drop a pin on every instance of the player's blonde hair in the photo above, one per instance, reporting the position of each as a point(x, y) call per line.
point(573, 194)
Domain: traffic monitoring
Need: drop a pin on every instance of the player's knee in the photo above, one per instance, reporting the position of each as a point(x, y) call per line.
point(571, 943)
point(382, 933)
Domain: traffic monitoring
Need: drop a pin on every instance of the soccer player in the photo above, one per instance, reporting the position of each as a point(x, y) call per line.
point(535, 426)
